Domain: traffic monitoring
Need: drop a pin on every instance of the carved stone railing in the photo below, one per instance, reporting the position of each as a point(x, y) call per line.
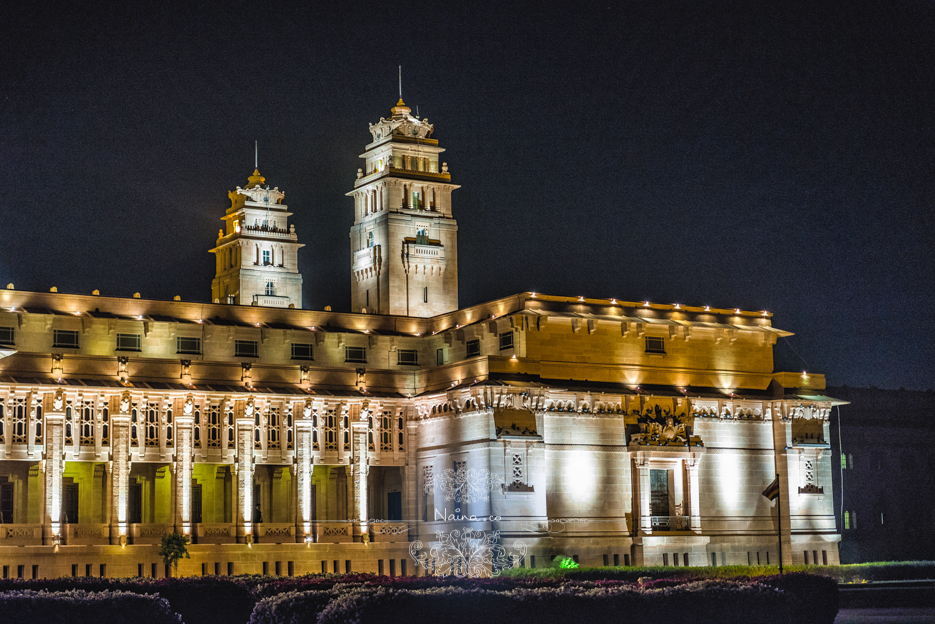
point(148, 533)
point(86, 534)
point(274, 532)
point(334, 532)
point(271, 301)
point(20, 534)
point(215, 533)
point(426, 252)
point(389, 532)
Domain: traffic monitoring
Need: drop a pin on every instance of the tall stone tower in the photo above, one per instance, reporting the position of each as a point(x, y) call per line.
point(404, 241)
point(257, 252)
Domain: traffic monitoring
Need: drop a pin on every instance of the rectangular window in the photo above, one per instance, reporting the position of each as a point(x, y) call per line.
point(266, 257)
point(270, 288)
point(355, 354)
point(425, 294)
point(65, 339)
point(302, 351)
point(473, 348)
point(129, 342)
point(439, 357)
point(407, 357)
point(189, 346)
point(843, 461)
point(506, 340)
point(246, 348)
point(6, 336)
point(655, 344)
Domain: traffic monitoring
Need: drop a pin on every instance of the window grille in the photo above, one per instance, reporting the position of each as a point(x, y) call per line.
point(809, 472)
point(315, 430)
point(506, 340)
point(230, 426)
point(65, 339)
point(105, 426)
point(246, 348)
point(302, 351)
point(134, 424)
point(257, 429)
point(69, 437)
point(407, 357)
point(345, 430)
point(400, 432)
point(196, 431)
point(214, 426)
point(169, 427)
point(2, 438)
point(86, 428)
point(188, 346)
point(329, 431)
point(272, 428)
point(19, 423)
point(473, 348)
point(655, 344)
point(519, 476)
point(129, 342)
point(38, 417)
point(290, 442)
point(386, 432)
point(152, 425)
point(355, 354)
point(370, 433)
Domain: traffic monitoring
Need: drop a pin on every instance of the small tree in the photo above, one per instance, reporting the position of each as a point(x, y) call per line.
point(172, 548)
point(564, 563)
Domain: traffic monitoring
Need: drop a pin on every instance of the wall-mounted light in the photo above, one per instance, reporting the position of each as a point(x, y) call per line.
point(246, 376)
point(186, 372)
point(57, 368)
point(122, 362)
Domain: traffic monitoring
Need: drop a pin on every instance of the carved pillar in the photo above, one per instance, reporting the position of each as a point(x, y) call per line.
point(357, 485)
point(184, 424)
point(303, 473)
point(646, 522)
point(54, 465)
point(694, 494)
point(120, 479)
point(411, 484)
point(244, 420)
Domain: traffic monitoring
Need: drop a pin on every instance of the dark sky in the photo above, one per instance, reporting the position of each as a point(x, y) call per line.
point(754, 154)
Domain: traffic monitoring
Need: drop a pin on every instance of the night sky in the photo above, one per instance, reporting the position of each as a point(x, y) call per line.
point(761, 155)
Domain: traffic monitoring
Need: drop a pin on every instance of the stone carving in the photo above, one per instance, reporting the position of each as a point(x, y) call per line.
point(659, 427)
point(58, 403)
point(334, 531)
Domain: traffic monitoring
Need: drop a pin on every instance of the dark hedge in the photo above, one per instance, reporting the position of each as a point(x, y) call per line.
point(82, 607)
point(198, 599)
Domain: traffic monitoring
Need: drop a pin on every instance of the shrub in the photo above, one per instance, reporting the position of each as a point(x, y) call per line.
point(292, 607)
point(698, 602)
point(173, 547)
point(82, 607)
point(198, 599)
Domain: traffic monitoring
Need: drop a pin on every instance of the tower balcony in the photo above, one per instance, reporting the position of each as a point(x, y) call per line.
point(271, 301)
point(426, 252)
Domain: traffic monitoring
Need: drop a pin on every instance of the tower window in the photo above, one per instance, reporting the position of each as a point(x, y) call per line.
point(65, 339)
point(425, 294)
point(246, 348)
point(369, 239)
point(266, 257)
point(655, 344)
point(422, 234)
point(355, 354)
point(301, 351)
point(506, 340)
point(270, 287)
point(407, 357)
point(473, 348)
point(128, 342)
point(6, 335)
point(439, 357)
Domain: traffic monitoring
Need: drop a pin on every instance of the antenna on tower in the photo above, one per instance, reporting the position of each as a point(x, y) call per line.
point(256, 154)
point(417, 111)
point(400, 82)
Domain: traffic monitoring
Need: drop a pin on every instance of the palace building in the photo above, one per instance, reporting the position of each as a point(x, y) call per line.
point(288, 441)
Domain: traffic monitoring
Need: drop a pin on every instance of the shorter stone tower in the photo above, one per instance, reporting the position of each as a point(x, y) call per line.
point(257, 252)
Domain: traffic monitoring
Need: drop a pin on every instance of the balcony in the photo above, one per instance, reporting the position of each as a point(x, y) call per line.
point(669, 523)
point(425, 252)
point(148, 533)
point(333, 532)
point(271, 301)
point(215, 533)
point(274, 533)
point(20, 535)
point(86, 534)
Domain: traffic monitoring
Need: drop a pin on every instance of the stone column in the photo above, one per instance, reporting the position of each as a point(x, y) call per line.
point(184, 424)
point(303, 473)
point(54, 465)
point(694, 494)
point(357, 484)
point(243, 417)
point(646, 522)
point(120, 479)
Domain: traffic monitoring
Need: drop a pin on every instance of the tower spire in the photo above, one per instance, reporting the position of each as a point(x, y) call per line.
point(256, 155)
point(400, 83)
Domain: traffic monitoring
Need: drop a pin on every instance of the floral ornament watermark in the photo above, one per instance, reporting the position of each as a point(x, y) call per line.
point(467, 552)
point(463, 485)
